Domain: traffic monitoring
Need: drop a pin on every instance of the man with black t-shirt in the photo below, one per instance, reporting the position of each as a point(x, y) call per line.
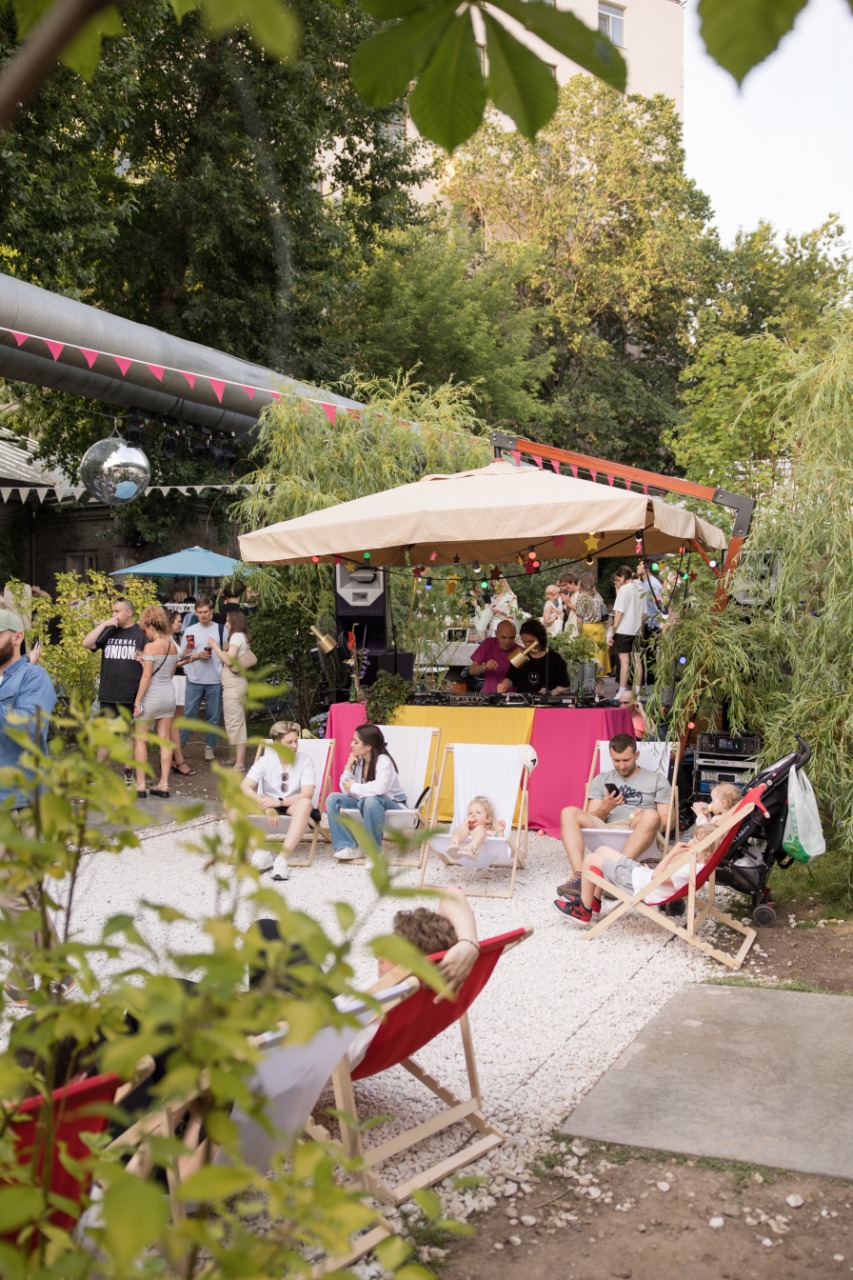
point(543, 671)
point(119, 638)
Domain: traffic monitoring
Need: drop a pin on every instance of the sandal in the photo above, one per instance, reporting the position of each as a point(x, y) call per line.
point(183, 769)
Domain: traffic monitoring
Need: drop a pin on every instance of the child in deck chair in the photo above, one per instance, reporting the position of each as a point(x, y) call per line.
point(482, 821)
point(632, 876)
point(451, 929)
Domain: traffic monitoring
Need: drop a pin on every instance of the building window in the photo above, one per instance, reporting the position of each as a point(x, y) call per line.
point(80, 561)
point(611, 23)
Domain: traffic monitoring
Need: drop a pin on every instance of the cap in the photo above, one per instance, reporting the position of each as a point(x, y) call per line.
point(10, 621)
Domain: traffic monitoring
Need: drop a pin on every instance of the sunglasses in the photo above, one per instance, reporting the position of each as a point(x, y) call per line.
point(285, 775)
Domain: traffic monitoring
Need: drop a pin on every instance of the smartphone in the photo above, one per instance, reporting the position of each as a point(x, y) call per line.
point(611, 787)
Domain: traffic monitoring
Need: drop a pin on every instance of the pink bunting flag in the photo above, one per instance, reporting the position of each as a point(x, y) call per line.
point(330, 412)
point(157, 369)
point(250, 391)
point(516, 457)
point(89, 356)
point(628, 485)
point(573, 469)
point(20, 338)
point(645, 488)
point(218, 388)
point(610, 480)
point(123, 363)
point(276, 395)
point(558, 542)
point(594, 475)
point(55, 348)
point(190, 377)
point(538, 461)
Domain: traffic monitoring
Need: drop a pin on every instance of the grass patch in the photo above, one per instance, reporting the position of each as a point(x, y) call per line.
point(741, 1171)
point(782, 984)
point(827, 880)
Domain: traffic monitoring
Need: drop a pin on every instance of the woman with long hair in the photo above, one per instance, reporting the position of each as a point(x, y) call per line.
point(155, 697)
point(590, 610)
point(369, 783)
point(179, 684)
point(234, 683)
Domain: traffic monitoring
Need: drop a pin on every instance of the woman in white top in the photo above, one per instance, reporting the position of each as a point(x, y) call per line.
point(552, 614)
point(504, 605)
point(369, 783)
point(234, 683)
point(282, 788)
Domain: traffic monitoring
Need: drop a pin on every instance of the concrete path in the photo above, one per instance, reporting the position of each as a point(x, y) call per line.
point(738, 1073)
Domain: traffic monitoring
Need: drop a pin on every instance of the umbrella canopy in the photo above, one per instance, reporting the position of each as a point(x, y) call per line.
point(493, 514)
point(194, 562)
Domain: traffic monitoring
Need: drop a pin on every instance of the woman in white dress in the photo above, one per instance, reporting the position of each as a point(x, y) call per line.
point(552, 614)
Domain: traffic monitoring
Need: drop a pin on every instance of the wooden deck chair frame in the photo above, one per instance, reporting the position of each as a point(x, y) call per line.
point(698, 909)
point(427, 794)
point(414, 1018)
point(516, 837)
point(321, 790)
point(672, 767)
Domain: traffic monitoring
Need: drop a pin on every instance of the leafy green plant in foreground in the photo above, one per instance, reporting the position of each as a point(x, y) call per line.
point(81, 811)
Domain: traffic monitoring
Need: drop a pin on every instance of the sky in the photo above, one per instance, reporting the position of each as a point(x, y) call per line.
point(779, 148)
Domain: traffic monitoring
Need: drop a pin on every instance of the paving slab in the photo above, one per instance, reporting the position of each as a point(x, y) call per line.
point(737, 1073)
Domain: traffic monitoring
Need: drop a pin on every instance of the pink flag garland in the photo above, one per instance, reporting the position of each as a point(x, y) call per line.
point(157, 369)
point(123, 363)
point(330, 412)
point(250, 391)
point(89, 356)
point(190, 377)
point(574, 470)
point(20, 338)
point(218, 388)
point(55, 348)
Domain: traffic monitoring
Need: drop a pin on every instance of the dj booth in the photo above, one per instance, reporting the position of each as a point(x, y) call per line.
point(563, 737)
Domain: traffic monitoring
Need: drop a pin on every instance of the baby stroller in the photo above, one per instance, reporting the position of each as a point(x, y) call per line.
point(758, 845)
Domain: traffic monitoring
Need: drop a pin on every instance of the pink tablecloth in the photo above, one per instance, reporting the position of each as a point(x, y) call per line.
point(564, 738)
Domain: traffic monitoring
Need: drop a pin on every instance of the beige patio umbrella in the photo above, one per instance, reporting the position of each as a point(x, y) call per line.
point(494, 514)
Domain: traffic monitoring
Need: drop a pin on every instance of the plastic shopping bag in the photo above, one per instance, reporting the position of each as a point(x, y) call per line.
point(803, 835)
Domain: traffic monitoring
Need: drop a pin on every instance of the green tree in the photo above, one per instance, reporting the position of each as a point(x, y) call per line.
point(771, 296)
point(783, 665)
point(620, 253)
point(430, 298)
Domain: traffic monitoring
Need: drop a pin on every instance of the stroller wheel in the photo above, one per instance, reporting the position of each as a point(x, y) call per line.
point(764, 915)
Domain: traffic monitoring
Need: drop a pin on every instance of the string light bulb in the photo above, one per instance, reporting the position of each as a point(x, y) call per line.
point(428, 584)
point(315, 559)
point(366, 555)
point(712, 564)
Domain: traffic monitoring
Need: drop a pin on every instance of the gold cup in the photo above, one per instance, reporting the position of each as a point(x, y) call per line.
point(519, 660)
point(324, 643)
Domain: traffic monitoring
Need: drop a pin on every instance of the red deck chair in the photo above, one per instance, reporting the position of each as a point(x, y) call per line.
point(405, 1030)
point(698, 910)
point(79, 1109)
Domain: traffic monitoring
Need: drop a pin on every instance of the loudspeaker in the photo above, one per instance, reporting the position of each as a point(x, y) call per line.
point(363, 605)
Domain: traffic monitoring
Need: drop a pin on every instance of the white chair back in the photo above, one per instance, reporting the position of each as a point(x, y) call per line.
point(410, 747)
point(656, 756)
point(486, 770)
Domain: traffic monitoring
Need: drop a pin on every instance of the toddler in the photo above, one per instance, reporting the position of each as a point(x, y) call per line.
point(481, 822)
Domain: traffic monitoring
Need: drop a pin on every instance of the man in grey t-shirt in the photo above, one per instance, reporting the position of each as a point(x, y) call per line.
point(624, 796)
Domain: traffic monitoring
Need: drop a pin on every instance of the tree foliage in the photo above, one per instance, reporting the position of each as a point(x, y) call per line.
point(782, 666)
point(618, 250)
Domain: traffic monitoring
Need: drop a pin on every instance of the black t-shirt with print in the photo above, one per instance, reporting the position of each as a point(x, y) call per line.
point(120, 672)
point(538, 675)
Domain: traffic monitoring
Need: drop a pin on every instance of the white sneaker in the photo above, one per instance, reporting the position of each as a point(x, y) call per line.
point(347, 855)
point(208, 753)
point(280, 869)
point(262, 859)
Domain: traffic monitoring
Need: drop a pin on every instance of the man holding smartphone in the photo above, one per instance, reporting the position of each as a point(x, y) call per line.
point(624, 796)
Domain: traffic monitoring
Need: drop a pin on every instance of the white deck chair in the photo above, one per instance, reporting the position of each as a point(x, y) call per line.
point(499, 773)
point(656, 756)
point(321, 751)
point(414, 749)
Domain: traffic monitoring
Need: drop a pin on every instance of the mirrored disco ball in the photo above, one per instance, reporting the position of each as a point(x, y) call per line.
point(114, 471)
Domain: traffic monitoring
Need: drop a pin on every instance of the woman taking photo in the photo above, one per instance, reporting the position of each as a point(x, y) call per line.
point(544, 671)
point(179, 684)
point(234, 683)
point(369, 783)
point(590, 610)
point(155, 697)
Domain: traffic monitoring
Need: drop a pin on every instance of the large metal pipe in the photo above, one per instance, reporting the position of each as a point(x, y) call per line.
point(155, 380)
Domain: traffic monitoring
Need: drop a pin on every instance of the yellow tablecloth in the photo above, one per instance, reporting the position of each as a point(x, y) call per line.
point(468, 724)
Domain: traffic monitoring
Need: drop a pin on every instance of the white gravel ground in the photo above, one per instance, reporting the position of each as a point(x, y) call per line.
point(558, 1010)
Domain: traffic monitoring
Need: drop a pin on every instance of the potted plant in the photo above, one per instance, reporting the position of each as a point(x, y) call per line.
point(575, 650)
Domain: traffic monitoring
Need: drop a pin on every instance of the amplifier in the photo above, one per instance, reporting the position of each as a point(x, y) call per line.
point(719, 744)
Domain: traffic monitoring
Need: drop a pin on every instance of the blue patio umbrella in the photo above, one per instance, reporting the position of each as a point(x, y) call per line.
point(194, 562)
